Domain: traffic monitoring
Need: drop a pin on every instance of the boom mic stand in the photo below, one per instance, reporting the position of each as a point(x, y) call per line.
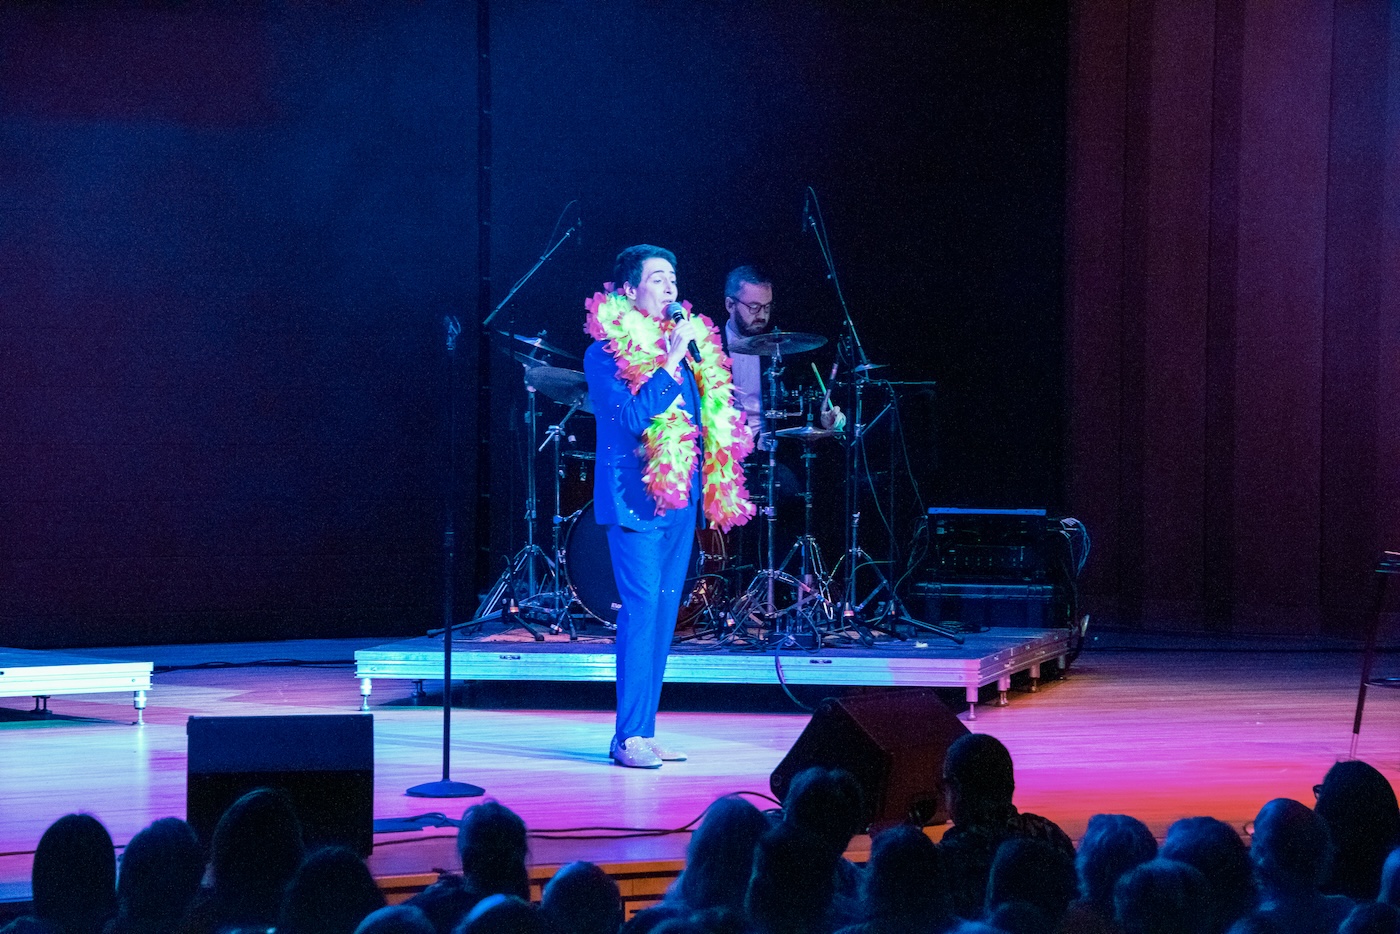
point(447, 788)
point(852, 608)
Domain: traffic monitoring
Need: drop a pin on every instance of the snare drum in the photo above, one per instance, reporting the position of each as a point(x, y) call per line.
point(588, 565)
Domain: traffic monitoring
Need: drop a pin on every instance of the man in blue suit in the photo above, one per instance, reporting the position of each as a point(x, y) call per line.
point(650, 547)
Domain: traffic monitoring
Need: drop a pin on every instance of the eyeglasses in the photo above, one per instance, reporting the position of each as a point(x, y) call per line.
point(754, 307)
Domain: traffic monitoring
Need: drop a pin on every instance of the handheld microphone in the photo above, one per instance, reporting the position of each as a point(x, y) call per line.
point(677, 312)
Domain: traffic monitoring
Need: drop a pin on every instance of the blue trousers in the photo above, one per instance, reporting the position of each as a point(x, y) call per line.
point(650, 569)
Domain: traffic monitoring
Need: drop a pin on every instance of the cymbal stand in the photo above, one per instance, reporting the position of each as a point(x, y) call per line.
point(852, 609)
point(560, 598)
point(814, 603)
point(500, 604)
point(759, 602)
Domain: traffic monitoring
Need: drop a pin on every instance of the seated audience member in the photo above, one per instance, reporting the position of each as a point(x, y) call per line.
point(719, 858)
point(1363, 818)
point(1371, 918)
point(583, 899)
point(1215, 848)
point(396, 919)
point(1390, 880)
point(1033, 872)
point(1162, 896)
point(331, 893)
point(256, 850)
point(493, 846)
point(1112, 845)
point(792, 885)
point(503, 914)
point(73, 879)
point(979, 783)
point(1292, 853)
point(828, 804)
point(159, 875)
point(904, 890)
point(1019, 918)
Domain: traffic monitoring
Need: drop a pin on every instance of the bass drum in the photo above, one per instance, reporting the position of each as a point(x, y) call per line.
point(588, 564)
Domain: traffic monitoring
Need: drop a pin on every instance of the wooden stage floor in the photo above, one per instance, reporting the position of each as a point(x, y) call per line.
point(1157, 732)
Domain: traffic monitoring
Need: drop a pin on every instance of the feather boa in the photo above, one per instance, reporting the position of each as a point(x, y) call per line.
point(637, 343)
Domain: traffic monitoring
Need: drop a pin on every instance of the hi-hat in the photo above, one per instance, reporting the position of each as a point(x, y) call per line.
point(567, 387)
point(776, 342)
point(806, 433)
point(539, 343)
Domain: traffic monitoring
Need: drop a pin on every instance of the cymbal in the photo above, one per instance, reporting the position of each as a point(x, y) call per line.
point(539, 343)
point(806, 433)
point(867, 367)
point(526, 360)
point(776, 342)
point(567, 387)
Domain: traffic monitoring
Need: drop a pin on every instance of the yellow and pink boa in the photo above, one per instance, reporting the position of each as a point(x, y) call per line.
point(637, 343)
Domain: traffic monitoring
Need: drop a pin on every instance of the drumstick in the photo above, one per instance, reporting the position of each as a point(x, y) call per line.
point(826, 391)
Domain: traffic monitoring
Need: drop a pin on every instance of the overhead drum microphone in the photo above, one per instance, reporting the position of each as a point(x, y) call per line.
point(677, 312)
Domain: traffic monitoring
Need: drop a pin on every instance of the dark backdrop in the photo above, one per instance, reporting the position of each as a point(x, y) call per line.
point(1233, 253)
point(228, 239)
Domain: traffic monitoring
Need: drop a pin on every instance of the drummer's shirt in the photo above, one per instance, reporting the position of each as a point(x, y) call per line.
point(748, 380)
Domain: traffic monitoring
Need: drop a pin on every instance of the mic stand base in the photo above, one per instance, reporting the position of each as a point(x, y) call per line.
point(445, 789)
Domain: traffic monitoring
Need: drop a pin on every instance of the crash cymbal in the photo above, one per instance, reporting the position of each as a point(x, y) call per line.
point(539, 343)
point(567, 387)
point(528, 361)
point(775, 342)
point(806, 433)
point(867, 367)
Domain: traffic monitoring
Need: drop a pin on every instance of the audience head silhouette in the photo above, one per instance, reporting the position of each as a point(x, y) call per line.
point(828, 804)
point(1216, 849)
point(583, 899)
point(1362, 816)
point(1112, 845)
point(1033, 872)
point(719, 859)
point(1162, 896)
point(978, 777)
point(74, 875)
point(494, 847)
point(256, 849)
point(160, 872)
point(331, 893)
point(1292, 850)
point(792, 885)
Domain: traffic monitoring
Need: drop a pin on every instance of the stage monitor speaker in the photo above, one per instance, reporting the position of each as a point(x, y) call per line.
point(324, 764)
point(893, 742)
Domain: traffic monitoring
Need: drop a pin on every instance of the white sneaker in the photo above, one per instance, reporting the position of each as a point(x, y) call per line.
point(635, 753)
point(662, 753)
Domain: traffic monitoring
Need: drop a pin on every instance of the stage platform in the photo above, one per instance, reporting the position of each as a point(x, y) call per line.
point(990, 657)
point(1156, 727)
point(42, 675)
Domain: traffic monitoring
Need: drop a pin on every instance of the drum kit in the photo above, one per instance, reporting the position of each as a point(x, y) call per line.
point(797, 602)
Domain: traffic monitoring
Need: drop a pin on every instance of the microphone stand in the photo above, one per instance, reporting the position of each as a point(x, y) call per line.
point(853, 609)
point(447, 788)
point(530, 272)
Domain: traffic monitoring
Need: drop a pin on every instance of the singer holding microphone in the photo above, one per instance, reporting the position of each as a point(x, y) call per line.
point(670, 447)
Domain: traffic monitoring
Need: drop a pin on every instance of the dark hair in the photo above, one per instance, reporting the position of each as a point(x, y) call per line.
point(1112, 844)
point(827, 802)
point(331, 893)
point(979, 767)
point(160, 872)
point(1292, 850)
point(628, 267)
point(503, 914)
point(719, 859)
point(1371, 918)
point(396, 919)
point(793, 881)
point(1359, 807)
point(583, 899)
point(904, 878)
point(1032, 871)
point(494, 845)
point(1161, 896)
point(74, 876)
point(741, 274)
point(256, 849)
point(1215, 848)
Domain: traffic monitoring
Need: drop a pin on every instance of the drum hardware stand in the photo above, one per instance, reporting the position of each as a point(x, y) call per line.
point(817, 598)
point(560, 596)
point(503, 591)
point(852, 610)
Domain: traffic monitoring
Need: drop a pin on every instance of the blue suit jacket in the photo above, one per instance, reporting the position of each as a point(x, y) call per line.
point(619, 496)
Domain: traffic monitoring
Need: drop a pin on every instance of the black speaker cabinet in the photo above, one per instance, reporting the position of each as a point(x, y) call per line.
point(324, 764)
point(893, 742)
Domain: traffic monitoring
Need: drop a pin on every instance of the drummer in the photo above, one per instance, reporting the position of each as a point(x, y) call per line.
point(748, 297)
